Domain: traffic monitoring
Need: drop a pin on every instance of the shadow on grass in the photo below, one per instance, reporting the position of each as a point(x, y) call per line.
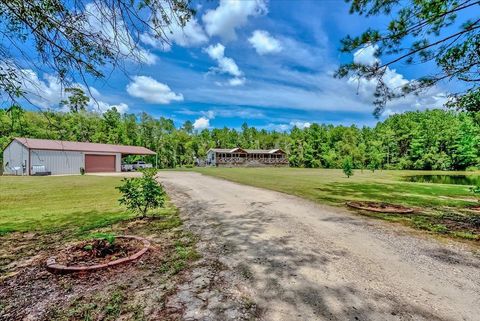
point(403, 193)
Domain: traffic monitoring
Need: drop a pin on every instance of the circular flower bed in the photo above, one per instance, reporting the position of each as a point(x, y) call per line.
point(98, 254)
point(380, 207)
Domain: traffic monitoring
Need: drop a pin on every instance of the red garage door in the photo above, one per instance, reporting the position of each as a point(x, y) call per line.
point(99, 163)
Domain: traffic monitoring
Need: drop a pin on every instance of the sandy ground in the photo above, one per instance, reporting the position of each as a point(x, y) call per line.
point(296, 260)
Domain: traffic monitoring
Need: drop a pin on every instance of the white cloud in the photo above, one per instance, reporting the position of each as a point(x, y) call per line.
point(366, 56)
point(115, 34)
point(47, 93)
point(264, 43)
point(237, 81)
point(300, 124)
point(433, 97)
point(226, 65)
point(192, 34)
point(232, 14)
point(201, 123)
point(152, 91)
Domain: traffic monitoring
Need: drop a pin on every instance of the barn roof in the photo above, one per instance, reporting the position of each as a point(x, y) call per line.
point(48, 144)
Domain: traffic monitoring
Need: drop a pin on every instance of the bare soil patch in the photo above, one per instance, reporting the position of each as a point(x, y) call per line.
point(381, 207)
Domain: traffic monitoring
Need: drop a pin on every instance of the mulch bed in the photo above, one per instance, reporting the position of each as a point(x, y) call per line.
point(92, 252)
point(97, 254)
point(380, 207)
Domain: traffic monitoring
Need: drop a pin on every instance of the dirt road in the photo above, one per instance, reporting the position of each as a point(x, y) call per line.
point(296, 260)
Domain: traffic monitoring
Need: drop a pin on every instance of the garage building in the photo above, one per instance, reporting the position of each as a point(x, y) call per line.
point(28, 156)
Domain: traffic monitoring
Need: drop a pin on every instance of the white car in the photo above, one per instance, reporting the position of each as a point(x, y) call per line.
point(127, 167)
point(140, 165)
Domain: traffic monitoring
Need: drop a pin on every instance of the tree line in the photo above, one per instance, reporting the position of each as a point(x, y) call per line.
point(427, 140)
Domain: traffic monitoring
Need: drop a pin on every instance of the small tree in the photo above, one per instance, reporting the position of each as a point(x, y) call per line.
point(347, 167)
point(141, 194)
point(476, 191)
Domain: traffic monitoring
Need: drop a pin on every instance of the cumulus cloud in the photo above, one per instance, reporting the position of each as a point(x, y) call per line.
point(116, 33)
point(226, 65)
point(201, 123)
point(264, 43)
point(300, 124)
point(47, 92)
point(366, 56)
point(190, 35)
point(152, 91)
point(433, 97)
point(230, 15)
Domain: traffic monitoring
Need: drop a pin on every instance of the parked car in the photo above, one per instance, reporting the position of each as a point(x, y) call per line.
point(127, 167)
point(141, 164)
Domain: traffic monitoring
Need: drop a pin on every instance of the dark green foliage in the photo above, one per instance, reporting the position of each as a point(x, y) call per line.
point(431, 139)
point(77, 100)
point(347, 167)
point(141, 194)
point(420, 31)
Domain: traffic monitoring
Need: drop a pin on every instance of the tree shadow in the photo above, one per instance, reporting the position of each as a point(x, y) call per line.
point(275, 267)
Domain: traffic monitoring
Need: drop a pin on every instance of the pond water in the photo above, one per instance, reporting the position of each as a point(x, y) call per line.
point(445, 179)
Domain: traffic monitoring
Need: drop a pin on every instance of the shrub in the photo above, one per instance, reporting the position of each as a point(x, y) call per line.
point(476, 191)
point(82, 171)
point(141, 194)
point(347, 167)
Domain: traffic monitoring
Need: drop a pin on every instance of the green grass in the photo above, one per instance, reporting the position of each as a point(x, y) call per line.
point(331, 186)
point(49, 204)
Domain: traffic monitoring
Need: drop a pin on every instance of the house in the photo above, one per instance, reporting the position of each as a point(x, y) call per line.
point(246, 157)
point(28, 156)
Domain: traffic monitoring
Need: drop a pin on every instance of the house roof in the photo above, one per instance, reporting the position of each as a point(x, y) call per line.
point(248, 151)
point(264, 151)
point(47, 144)
point(227, 150)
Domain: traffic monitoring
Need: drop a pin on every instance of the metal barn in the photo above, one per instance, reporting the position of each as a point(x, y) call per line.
point(28, 156)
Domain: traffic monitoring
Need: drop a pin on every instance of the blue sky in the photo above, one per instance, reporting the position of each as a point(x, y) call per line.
point(268, 63)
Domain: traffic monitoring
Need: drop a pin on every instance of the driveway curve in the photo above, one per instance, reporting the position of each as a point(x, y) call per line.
point(298, 260)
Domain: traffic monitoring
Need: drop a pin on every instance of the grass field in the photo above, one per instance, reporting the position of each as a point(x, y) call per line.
point(441, 206)
point(55, 203)
point(39, 216)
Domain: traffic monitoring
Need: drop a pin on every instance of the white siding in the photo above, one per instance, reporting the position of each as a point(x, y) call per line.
point(58, 162)
point(15, 155)
point(211, 158)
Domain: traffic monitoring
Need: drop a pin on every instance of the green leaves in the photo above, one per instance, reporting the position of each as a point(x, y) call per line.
point(142, 194)
point(421, 31)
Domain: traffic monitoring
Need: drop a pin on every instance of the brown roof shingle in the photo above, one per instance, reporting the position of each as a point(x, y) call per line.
point(47, 144)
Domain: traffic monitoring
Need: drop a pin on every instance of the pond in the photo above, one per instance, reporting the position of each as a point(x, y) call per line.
point(445, 179)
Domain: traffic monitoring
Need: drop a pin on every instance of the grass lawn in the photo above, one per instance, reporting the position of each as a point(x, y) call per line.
point(442, 206)
point(39, 216)
point(51, 204)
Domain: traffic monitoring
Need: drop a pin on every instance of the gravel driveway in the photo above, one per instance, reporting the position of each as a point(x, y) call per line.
point(292, 259)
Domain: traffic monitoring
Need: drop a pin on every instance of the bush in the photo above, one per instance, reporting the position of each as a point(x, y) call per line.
point(476, 191)
point(347, 167)
point(472, 169)
point(141, 194)
point(82, 171)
